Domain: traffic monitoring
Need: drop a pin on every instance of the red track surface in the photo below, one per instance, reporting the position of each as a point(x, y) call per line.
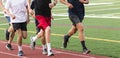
point(37, 53)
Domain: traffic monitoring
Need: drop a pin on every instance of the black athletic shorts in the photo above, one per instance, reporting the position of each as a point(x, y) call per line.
point(76, 18)
point(22, 26)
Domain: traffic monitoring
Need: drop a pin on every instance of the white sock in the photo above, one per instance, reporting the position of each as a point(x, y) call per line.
point(48, 47)
point(44, 46)
point(34, 38)
point(19, 48)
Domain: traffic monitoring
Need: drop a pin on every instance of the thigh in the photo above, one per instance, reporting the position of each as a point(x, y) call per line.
point(24, 34)
point(11, 29)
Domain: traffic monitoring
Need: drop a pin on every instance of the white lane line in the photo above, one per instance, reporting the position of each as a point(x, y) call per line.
point(92, 4)
point(96, 10)
point(91, 16)
point(11, 54)
point(55, 51)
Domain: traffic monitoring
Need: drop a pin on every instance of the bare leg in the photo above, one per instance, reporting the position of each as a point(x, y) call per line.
point(67, 36)
point(34, 38)
point(19, 39)
point(47, 37)
point(24, 34)
point(80, 28)
point(72, 31)
point(11, 36)
point(47, 34)
point(82, 38)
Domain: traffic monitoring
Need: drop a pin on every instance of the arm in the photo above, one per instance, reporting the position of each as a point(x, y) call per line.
point(28, 2)
point(66, 3)
point(84, 1)
point(1, 5)
point(30, 8)
point(27, 10)
point(7, 6)
point(28, 20)
point(51, 5)
point(3, 8)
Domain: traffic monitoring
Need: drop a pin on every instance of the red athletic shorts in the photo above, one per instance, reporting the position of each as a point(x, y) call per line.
point(44, 22)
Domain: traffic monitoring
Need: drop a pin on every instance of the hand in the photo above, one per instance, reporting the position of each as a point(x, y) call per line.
point(13, 17)
point(70, 5)
point(33, 15)
point(5, 10)
point(31, 12)
point(86, 2)
point(51, 5)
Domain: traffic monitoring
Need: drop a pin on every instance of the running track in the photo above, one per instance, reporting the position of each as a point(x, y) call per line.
point(37, 53)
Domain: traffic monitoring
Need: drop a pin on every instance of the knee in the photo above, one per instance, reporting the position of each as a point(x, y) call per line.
point(81, 29)
point(24, 37)
point(20, 36)
point(48, 28)
point(73, 32)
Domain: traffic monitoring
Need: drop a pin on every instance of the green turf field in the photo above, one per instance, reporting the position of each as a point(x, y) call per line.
point(102, 28)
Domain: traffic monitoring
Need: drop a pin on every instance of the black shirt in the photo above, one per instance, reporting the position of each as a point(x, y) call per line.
point(41, 7)
point(78, 7)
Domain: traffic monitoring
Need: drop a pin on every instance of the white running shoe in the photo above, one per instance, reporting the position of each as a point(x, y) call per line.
point(32, 44)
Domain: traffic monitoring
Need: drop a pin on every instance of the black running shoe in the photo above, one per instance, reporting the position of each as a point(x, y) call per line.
point(7, 34)
point(66, 39)
point(9, 47)
point(20, 53)
point(86, 51)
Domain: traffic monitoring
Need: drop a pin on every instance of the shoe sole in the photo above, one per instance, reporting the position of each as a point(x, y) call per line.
point(51, 55)
point(20, 55)
point(45, 53)
point(87, 52)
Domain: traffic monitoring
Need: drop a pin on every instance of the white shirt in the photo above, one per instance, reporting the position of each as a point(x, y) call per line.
point(18, 9)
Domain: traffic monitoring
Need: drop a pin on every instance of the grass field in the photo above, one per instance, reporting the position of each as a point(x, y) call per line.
point(102, 28)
